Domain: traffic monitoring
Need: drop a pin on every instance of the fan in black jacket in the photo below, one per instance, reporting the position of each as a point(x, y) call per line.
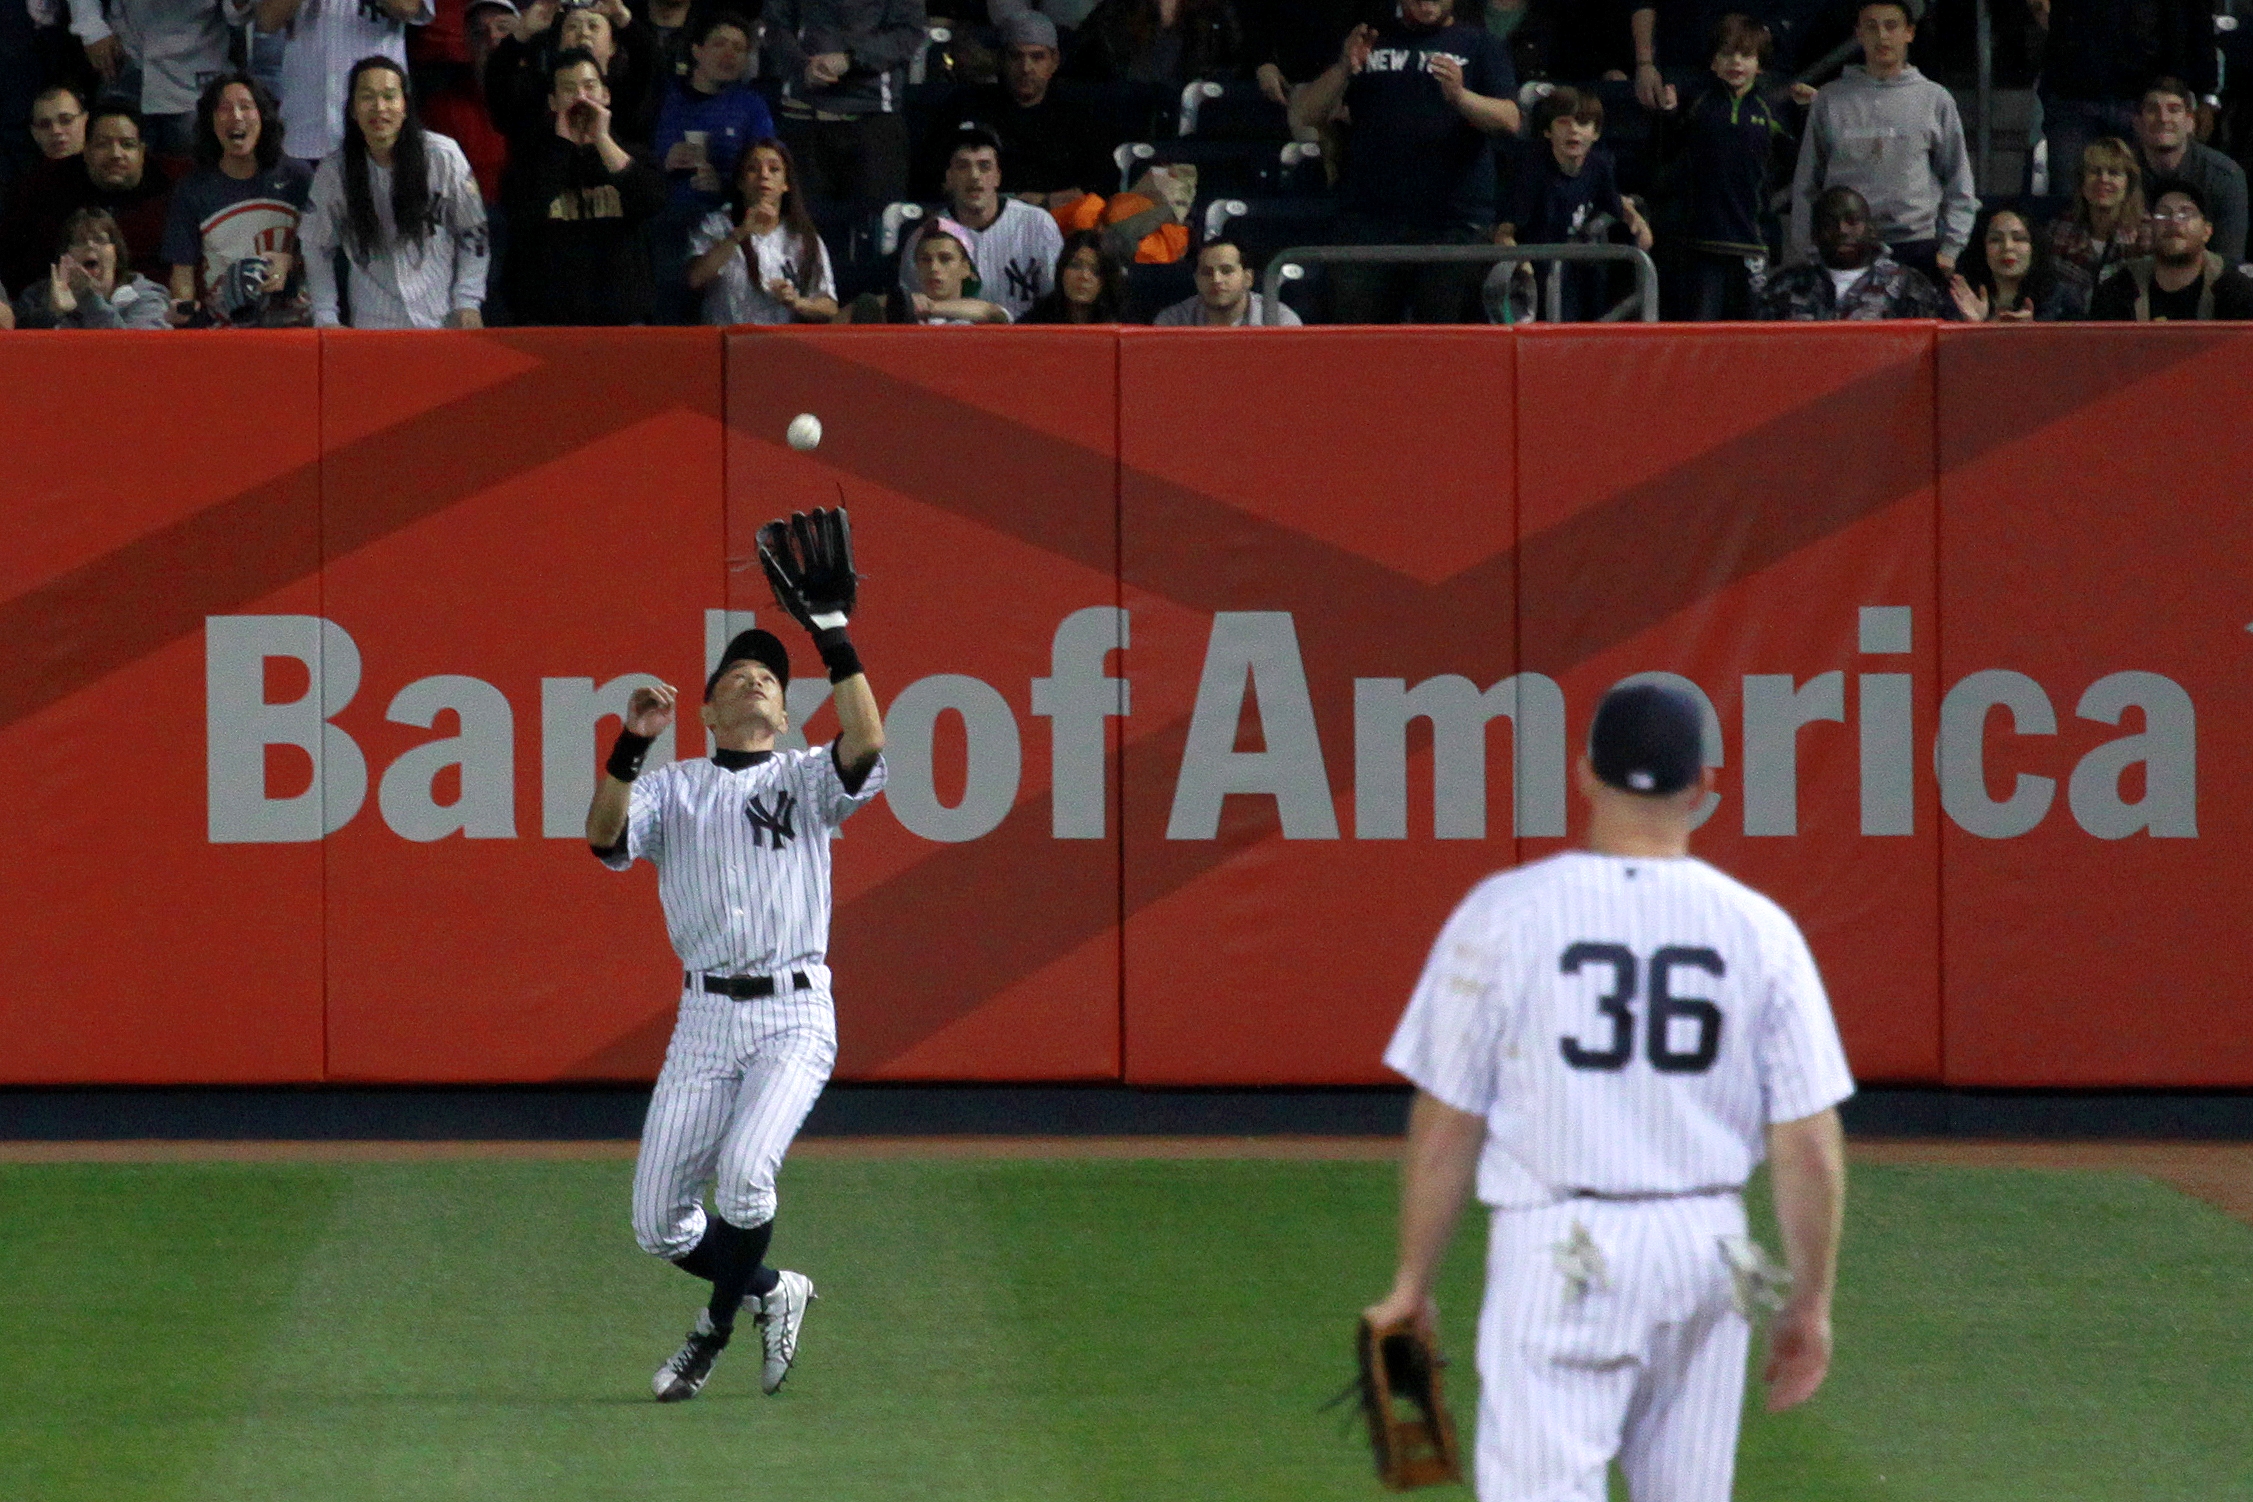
point(577, 201)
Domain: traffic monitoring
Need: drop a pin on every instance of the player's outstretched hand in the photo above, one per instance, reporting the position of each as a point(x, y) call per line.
point(650, 710)
point(1799, 1355)
point(809, 563)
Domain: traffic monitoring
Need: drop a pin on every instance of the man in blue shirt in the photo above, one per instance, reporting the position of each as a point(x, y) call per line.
point(711, 115)
point(704, 125)
point(1568, 193)
point(1425, 95)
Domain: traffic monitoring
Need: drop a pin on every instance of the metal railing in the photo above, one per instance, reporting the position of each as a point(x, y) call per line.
point(1291, 264)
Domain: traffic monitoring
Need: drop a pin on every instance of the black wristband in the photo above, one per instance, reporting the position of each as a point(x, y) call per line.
point(837, 653)
point(626, 755)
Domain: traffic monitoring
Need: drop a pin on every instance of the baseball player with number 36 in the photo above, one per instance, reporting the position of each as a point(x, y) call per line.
point(1605, 1044)
point(741, 846)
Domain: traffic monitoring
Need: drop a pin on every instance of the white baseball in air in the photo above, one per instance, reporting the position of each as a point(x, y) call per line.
point(805, 432)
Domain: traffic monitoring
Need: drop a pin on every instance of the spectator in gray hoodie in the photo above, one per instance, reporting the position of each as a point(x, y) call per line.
point(1894, 136)
point(842, 67)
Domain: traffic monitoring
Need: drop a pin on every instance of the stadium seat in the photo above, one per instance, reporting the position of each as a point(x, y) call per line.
point(893, 223)
point(1231, 111)
point(1230, 169)
point(1224, 168)
point(1131, 157)
point(1151, 287)
point(1306, 293)
point(932, 62)
point(1123, 111)
point(1299, 172)
point(839, 220)
point(1263, 226)
point(864, 242)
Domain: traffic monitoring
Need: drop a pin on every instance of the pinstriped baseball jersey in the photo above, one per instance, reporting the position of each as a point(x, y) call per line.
point(326, 37)
point(1627, 1026)
point(742, 856)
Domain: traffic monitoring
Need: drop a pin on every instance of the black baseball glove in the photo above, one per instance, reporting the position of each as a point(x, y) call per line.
point(1410, 1430)
point(809, 562)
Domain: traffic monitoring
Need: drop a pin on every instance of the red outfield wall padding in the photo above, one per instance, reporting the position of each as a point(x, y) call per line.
point(1312, 525)
point(1752, 509)
point(513, 524)
point(976, 932)
point(152, 482)
point(2099, 724)
point(1218, 666)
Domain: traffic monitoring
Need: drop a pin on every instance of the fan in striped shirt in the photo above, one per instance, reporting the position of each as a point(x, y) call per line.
point(325, 40)
point(403, 205)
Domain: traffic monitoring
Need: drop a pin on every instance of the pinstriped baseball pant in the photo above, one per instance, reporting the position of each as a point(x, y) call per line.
point(738, 1080)
point(1649, 1366)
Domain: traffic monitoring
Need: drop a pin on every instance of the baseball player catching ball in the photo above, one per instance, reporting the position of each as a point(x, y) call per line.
point(741, 846)
point(1606, 1043)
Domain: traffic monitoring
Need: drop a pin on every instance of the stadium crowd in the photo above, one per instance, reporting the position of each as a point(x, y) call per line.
point(461, 163)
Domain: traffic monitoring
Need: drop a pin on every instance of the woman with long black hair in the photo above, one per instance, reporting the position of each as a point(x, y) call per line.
point(403, 206)
point(760, 259)
point(2008, 275)
point(243, 203)
point(1090, 284)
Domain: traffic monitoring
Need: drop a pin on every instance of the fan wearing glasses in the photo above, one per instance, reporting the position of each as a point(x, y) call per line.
point(2181, 279)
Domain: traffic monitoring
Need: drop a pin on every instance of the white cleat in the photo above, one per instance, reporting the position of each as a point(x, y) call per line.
point(779, 1315)
point(684, 1376)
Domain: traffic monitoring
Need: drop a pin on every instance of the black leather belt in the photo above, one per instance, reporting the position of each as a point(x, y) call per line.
point(1644, 1197)
point(744, 987)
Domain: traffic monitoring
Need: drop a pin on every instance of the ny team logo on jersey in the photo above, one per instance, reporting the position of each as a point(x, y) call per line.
point(772, 827)
point(1024, 278)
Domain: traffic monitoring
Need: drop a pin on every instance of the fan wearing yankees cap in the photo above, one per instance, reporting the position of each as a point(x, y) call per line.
point(741, 845)
point(1605, 1044)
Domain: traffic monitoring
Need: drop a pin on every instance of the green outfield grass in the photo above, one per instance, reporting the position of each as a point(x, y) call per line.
point(1000, 1330)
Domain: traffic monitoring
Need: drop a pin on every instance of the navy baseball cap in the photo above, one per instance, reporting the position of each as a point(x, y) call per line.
point(1647, 738)
point(753, 646)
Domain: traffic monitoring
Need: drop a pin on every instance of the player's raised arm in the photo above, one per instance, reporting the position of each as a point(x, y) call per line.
point(861, 739)
point(809, 562)
point(648, 712)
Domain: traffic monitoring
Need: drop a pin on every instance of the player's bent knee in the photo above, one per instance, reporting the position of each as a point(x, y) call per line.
point(749, 1206)
point(671, 1239)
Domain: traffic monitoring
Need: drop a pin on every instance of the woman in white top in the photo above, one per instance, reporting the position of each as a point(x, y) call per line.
point(403, 205)
point(760, 259)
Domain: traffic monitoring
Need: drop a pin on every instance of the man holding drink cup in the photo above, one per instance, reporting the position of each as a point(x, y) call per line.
point(704, 123)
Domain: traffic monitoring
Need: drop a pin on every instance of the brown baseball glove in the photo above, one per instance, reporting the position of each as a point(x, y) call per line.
point(1410, 1431)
